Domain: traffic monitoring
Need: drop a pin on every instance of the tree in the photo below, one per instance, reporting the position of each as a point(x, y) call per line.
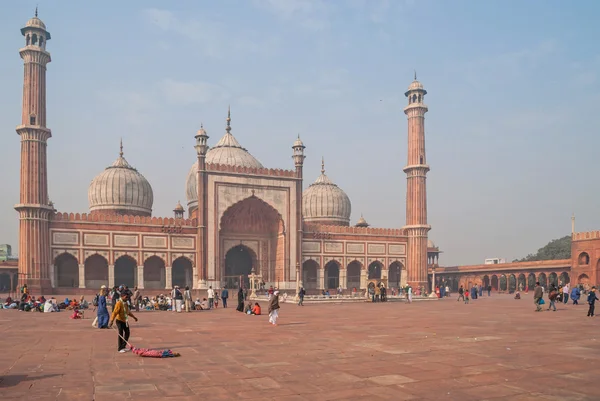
point(556, 249)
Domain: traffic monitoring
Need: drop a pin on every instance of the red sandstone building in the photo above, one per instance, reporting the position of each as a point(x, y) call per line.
point(241, 216)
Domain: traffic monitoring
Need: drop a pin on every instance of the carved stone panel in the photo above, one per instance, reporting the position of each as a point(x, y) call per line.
point(148, 255)
point(334, 247)
point(57, 252)
point(311, 246)
point(182, 242)
point(88, 253)
point(155, 242)
point(376, 249)
point(355, 248)
point(397, 249)
point(125, 240)
point(134, 255)
point(95, 239)
point(65, 238)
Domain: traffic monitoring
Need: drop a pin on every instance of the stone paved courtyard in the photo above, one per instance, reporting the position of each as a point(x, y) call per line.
point(493, 349)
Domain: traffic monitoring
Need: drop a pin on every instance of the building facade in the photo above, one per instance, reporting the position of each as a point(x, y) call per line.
point(242, 217)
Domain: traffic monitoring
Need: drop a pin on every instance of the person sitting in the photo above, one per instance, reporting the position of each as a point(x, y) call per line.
point(203, 305)
point(248, 308)
point(77, 314)
point(256, 309)
point(517, 295)
point(197, 304)
point(83, 304)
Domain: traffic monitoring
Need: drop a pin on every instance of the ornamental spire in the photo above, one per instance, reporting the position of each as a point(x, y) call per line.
point(121, 147)
point(322, 165)
point(228, 129)
point(415, 75)
point(36, 13)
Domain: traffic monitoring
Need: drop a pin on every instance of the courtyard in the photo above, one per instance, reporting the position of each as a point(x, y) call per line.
point(494, 348)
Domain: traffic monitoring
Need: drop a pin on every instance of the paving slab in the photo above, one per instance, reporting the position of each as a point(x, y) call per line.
point(495, 348)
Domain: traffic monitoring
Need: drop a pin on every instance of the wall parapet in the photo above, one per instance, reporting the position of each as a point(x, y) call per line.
point(533, 265)
point(272, 172)
point(321, 229)
point(112, 218)
point(585, 235)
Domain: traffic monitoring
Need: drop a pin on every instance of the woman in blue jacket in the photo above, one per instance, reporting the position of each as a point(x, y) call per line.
point(575, 294)
point(102, 311)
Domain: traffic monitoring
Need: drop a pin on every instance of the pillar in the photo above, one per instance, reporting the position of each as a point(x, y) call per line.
point(321, 273)
point(140, 277)
point(111, 276)
point(81, 276)
point(363, 278)
point(343, 278)
point(53, 275)
point(169, 278)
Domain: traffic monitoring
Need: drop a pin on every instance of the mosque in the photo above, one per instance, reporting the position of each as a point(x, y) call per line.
point(240, 217)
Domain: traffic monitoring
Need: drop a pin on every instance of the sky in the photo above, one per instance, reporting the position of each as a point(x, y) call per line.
point(511, 132)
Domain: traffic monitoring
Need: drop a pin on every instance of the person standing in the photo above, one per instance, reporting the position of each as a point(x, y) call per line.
point(102, 309)
point(120, 314)
point(538, 294)
point(566, 292)
point(224, 296)
point(552, 295)
point(301, 294)
point(187, 296)
point(136, 298)
point(591, 299)
point(575, 294)
point(409, 294)
point(211, 297)
point(489, 290)
point(178, 299)
point(274, 308)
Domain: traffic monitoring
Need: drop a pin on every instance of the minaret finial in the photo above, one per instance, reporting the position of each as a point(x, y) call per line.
point(36, 10)
point(228, 129)
point(121, 152)
point(322, 165)
point(415, 75)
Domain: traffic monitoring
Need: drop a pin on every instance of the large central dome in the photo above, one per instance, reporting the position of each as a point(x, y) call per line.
point(323, 202)
point(227, 151)
point(121, 189)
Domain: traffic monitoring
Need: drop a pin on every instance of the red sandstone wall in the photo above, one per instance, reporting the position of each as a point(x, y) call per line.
point(586, 269)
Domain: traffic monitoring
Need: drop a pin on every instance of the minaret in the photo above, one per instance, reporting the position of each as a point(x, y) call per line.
point(298, 157)
point(416, 195)
point(34, 207)
point(202, 248)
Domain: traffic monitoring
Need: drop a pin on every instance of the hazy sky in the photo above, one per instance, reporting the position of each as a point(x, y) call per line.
point(512, 131)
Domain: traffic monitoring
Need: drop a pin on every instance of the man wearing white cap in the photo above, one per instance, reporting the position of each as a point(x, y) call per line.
point(274, 308)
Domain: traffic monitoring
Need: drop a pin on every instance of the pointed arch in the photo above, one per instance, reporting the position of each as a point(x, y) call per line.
point(96, 271)
point(67, 270)
point(154, 273)
point(182, 273)
point(353, 274)
point(374, 271)
point(395, 274)
point(309, 274)
point(126, 271)
point(332, 274)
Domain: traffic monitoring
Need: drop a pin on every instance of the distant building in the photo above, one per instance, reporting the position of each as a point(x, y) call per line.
point(6, 253)
point(494, 261)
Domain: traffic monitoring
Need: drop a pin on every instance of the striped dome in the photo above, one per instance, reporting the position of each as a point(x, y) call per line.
point(323, 202)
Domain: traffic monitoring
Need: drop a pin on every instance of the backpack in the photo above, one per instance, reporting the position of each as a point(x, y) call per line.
point(96, 300)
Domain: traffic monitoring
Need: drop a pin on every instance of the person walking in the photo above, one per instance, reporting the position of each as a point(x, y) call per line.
point(591, 299)
point(575, 294)
point(409, 294)
point(301, 294)
point(274, 308)
point(120, 315)
point(461, 293)
point(224, 296)
point(102, 309)
point(552, 297)
point(187, 297)
point(538, 295)
point(240, 307)
point(211, 297)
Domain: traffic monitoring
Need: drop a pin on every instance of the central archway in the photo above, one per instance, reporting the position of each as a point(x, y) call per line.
point(126, 271)
point(254, 222)
point(239, 262)
point(374, 271)
point(332, 275)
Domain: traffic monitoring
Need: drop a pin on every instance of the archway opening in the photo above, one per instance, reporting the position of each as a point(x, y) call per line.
point(553, 279)
point(543, 280)
point(375, 270)
point(584, 258)
point(181, 274)
point(395, 275)
point(455, 284)
point(495, 282)
point(254, 219)
point(126, 271)
point(154, 273)
point(309, 274)
point(5, 282)
point(96, 271)
point(239, 262)
point(531, 280)
point(564, 278)
point(521, 282)
point(67, 271)
point(583, 279)
point(353, 274)
point(503, 283)
point(512, 283)
point(486, 282)
point(332, 275)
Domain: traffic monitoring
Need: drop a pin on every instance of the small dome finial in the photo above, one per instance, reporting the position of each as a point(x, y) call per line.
point(228, 129)
point(36, 13)
point(415, 75)
point(121, 147)
point(322, 165)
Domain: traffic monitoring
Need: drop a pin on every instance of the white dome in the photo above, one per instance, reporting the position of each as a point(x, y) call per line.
point(227, 151)
point(430, 244)
point(35, 22)
point(324, 202)
point(121, 189)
